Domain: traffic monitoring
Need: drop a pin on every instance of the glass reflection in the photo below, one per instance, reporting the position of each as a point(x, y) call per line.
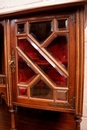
point(62, 24)
point(21, 28)
point(58, 48)
point(22, 91)
point(41, 30)
point(25, 73)
point(41, 90)
point(61, 95)
point(40, 61)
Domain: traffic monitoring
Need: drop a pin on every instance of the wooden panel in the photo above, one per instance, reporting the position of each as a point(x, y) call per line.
point(36, 119)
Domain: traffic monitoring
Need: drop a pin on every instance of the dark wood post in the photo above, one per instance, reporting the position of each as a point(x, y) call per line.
point(78, 121)
point(12, 111)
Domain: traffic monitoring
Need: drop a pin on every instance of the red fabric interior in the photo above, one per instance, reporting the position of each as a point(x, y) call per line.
point(58, 51)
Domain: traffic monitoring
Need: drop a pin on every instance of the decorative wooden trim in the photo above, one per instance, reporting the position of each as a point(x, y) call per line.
point(63, 105)
point(79, 61)
point(78, 121)
point(17, 12)
point(81, 69)
point(12, 111)
point(12, 62)
point(8, 60)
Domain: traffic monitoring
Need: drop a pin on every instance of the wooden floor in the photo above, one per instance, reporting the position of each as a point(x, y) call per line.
point(32, 119)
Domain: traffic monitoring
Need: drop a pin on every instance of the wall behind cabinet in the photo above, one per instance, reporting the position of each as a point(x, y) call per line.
point(13, 5)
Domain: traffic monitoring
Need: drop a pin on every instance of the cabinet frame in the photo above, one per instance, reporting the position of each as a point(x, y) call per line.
point(79, 82)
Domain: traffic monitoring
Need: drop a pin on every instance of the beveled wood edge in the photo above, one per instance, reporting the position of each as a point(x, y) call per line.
point(17, 12)
point(79, 62)
point(9, 88)
point(50, 108)
point(81, 87)
point(6, 64)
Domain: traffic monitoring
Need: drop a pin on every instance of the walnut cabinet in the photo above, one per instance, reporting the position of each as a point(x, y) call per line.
point(42, 60)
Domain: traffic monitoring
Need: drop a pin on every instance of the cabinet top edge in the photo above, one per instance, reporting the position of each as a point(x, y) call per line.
point(9, 12)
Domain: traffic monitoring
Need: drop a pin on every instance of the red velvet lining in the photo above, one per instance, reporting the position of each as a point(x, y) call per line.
point(59, 51)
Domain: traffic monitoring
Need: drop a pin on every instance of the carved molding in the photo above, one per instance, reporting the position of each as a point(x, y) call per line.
point(69, 104)
point(9, 6)
point(78, 121)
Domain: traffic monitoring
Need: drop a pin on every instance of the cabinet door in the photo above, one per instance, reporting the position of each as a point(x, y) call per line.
point(3, 64)
point(43, 62)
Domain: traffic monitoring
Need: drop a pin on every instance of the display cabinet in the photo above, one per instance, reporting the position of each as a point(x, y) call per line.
point(44, 60)
point(3, 64)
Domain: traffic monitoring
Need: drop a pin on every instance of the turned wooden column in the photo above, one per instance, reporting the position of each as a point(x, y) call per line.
point(12, 111)
point(78, 121)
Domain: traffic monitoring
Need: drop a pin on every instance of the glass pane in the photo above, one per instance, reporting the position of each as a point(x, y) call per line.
point(31, 52)
point(62, 24)
point(25, 73)
point(39, 60)
point(41, 90)
point(21, 28)
point(41, 30)
point(22, 91)
point(61, 95)
point(1, 49)
point(2, 79)
point(53, 74)
point(58, 48)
